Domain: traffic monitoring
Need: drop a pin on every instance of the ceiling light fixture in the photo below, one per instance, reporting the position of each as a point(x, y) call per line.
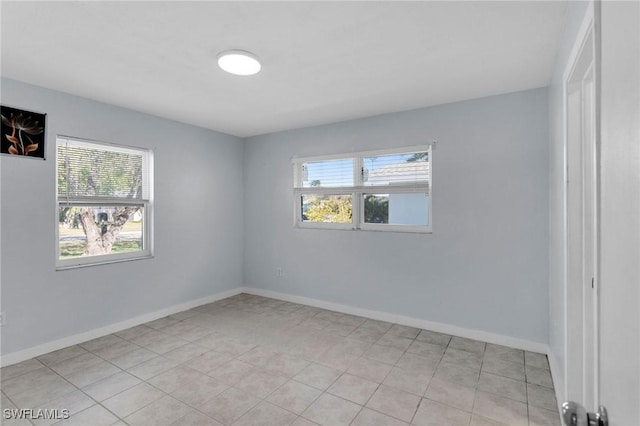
point(239, 62)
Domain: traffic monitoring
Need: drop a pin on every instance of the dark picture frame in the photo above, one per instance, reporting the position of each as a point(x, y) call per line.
point(23, 133)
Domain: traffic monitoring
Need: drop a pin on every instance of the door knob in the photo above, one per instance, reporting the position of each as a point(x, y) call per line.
point(574, 414)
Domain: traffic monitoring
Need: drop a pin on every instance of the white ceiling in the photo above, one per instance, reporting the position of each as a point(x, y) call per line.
point(322, 61)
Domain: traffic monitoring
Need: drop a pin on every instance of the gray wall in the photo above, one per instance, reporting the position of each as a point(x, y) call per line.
point(485, 266)
point(557, 227)
point(198, 225)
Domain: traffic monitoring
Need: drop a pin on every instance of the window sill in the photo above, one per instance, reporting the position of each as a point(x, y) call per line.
point(69, 265)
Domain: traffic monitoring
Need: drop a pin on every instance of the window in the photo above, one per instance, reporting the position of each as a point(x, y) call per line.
point(104, 202)
point(380, 191)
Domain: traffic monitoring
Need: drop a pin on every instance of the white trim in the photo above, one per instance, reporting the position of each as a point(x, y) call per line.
point(469, 333)
point(499, 339)
point(350, 155)
point(585, 27)
point(359, 189)
point(44, 348)
point(146, 202)
point(558, 384)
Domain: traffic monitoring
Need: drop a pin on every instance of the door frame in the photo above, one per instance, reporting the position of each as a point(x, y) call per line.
point(588, 28)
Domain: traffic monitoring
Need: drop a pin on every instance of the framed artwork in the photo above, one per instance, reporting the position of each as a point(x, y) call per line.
point(23, 133)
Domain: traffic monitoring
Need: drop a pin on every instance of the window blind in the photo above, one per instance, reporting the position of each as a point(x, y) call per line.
point(406, 169)
point(328, 174)
point(87, 170)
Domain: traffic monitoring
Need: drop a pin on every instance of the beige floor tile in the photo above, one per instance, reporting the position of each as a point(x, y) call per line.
point(175, 378)
point(541, 417)
point(353, 388)
point(539, 376)
point(503, 386)
point(540, 396)
point(532, 359)
point(294, 396)
point(92, 374)
point(266, 414)
point(451, 394)
point(133, 332)
point(101, 342)
point(60, 355)
point(111, 386)
point(36, 387)
point(477, 420)
point(162, 412)
point(394, 402)
point(230, 405)
point(94, 416)
point(417, 364)
point(468, 345)
point(404, 331)
point(250, 360)
point(153, 367)
point(463, 358)
point(426, 349)
point(458, 374)
point(260, 383)
point(77, 363)
point(74, 402)
point(377, 325)
point(366, 334)
point(200, 391)
point(285, 365)
point(504, 352)
point(21, 368)
point(504, 410)
point(258, 356)
point(186, 352)
point(395, 341)
point(115, 350)
point(132, 399)
point(386, 354)
point(329, 410)
point(512, 370)
point(232, 372)
point(431, 413)
point(368, 417)
point(195, 418)
point(408, 381)
point(301, 421)
point(162, 323)
point(433, 337)
point(317, 376)
point(369, 369)
point(208, 361)
point(131, 359)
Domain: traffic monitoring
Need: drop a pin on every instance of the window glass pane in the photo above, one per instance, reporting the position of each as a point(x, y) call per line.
point(327, 174)
point(397, 209)
point(397, 169)
point(111, 230)
point(323, 208)
point(89, 170)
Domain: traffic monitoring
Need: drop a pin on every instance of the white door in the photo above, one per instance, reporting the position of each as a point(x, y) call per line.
point(619, 302)
point(602, 95)
point(582, 222)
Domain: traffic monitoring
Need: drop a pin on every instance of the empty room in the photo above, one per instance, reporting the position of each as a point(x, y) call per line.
point(320, 213)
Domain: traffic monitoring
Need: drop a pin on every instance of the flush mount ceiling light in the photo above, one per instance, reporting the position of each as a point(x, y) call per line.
point(239, 62)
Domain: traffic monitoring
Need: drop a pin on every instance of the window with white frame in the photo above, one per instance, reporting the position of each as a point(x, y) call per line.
point(387, 190)
point(104, 202)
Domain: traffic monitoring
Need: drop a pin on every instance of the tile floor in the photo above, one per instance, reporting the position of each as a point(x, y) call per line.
point(250, 360)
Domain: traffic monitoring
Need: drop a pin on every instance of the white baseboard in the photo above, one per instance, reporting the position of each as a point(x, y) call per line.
point(22, 355)
point(32, 352)
point(558, 381)
point(469, 333)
